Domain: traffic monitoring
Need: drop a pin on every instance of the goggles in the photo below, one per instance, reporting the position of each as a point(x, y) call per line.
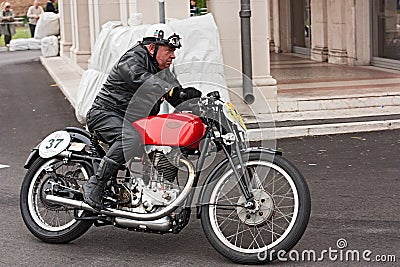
point(174, 41)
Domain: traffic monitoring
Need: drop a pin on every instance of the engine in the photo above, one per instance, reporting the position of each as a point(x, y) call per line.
point(156, 187)
point(165, 164)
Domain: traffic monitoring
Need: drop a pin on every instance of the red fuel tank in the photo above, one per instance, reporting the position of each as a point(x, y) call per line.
point(175, 129)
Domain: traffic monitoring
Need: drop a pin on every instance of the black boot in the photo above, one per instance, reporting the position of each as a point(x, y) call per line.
point(93, 188)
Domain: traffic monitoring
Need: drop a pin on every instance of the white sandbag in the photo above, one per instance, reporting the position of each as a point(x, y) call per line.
point(34, 44)
point(49, 46)
point(90, 85)
point(47, 25)
point(19, 44)
point(199, 63)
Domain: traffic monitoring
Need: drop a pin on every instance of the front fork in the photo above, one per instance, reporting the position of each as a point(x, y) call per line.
point(243, 179)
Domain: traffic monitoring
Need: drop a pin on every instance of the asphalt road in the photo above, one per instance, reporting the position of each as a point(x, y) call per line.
point(354, 181)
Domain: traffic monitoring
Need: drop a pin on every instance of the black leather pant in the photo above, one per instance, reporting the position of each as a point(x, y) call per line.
point(123, 139)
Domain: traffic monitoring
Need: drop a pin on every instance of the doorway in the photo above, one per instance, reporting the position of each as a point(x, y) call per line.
point(301, 26)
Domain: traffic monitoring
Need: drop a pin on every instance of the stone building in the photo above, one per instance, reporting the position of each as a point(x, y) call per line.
point(351, 32)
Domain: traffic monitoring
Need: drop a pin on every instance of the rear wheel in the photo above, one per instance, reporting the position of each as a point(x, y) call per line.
point(48, 221)
point(276, 223)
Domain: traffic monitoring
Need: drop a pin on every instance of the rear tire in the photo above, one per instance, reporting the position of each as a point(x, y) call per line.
point(249, 237)
point(47, 221)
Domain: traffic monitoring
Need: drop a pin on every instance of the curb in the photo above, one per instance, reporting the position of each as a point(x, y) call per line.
point(57, 74)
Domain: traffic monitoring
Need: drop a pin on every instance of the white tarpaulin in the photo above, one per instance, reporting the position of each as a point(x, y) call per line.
point(34, 44)
point(25, 44)
point(47, 25)
point(90, 84)
point(49, 46)
point(100, 56)
point(113, 41)
point(19, 44)
point(198, 63)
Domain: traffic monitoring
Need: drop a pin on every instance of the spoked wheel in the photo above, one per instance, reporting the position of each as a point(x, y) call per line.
point(278, 220)
point(48, 221)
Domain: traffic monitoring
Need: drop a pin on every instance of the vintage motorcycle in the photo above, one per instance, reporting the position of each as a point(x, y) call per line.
point(251, 203)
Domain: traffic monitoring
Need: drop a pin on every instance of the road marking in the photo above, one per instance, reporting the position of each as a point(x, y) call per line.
point(3, 166)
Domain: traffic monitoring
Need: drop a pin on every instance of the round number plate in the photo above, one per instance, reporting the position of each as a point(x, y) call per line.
point(54, 144)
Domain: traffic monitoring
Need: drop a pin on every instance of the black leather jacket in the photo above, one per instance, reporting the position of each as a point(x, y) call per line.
point(135, 85)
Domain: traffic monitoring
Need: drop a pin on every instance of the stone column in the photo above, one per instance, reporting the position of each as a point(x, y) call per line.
point(132, 6)
point(81, 49)
point(319, 30)
point(271, 26)
point(226, 14)
point(73, 28)
point(337, 32)
point(362, 40)
point(65, 28)
point(282, 26)
point(276, 25)
point(100, 12)
point(350, 31)
point(124, 11)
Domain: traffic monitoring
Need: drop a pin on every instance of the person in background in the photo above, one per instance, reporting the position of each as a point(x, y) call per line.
point(192, 4)
point(33, 15)
point(7, 28)
point(50, 6)
point(1, 12)
point(194, 10)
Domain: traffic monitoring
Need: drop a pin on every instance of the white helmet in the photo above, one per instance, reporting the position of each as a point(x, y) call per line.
point(162, 34)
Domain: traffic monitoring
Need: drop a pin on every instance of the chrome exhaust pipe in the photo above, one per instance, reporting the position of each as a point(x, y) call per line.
point(133, 215)
point(163, 225)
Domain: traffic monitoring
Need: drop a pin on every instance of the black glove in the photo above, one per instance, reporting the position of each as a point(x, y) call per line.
point(191, 92)
point(178, 95)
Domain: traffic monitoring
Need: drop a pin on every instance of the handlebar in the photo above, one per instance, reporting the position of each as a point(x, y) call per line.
point(214, 94)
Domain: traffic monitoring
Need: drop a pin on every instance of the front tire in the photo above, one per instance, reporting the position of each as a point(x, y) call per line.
point(253, 236)
point(47, 221)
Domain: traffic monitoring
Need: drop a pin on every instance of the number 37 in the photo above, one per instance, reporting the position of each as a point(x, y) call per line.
point(53, 143)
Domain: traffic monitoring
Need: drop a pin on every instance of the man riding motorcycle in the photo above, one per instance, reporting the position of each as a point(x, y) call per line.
point(140, 80)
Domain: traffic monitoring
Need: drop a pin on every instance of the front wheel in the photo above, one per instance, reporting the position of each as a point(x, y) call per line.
point(277, 221)
point(50, 222)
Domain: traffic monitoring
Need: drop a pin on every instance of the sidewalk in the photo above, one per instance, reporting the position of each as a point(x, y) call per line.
point(67, 77)
point(313, 98)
